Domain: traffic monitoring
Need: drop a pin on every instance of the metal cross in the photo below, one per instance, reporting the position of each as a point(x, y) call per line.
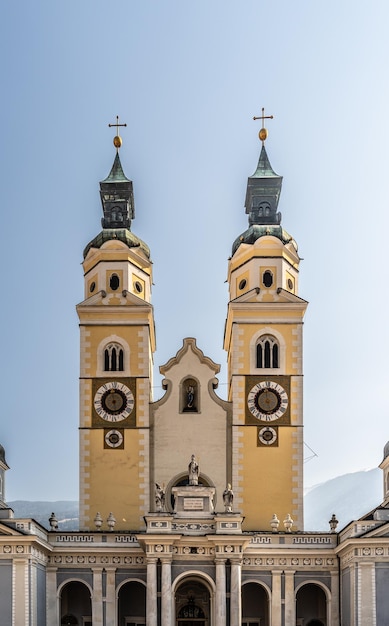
point(263, 132)
point(263, 117)
point(117, 124)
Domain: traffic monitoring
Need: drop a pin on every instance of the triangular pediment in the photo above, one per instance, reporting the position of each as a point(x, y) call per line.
point(129, 299)
point(281, 296)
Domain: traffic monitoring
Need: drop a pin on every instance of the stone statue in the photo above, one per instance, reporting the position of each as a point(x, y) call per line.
point(228, 498)
point(159, 498)
point(190, 397)
point(193, 471)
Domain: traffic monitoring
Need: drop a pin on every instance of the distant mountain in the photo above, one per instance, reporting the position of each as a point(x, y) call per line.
point(65, 511)
point(349, 496)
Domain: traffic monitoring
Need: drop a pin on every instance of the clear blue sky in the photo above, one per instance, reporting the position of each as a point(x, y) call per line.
point(187, 77)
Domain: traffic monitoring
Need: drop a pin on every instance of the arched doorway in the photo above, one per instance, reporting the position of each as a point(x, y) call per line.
point(255, 605)
point(76, 605)
point(192, 604)
point(311, 605)
point(132, 604)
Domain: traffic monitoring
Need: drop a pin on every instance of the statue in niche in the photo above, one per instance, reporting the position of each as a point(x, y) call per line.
point(189, 396)
point(159, 498)
point(228, 498)
point(193, 471)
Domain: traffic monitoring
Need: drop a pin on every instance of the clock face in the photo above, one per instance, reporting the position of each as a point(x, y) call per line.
point(114, 438)
point(267, 436)
point(113, 401)
point(267, 401)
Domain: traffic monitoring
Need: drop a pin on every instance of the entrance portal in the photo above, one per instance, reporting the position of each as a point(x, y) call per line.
point(192, 604)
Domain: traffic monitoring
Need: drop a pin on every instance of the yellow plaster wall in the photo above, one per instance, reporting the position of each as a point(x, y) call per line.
point(116, 484)
point(249, 331)
point(131, 334)
point(267, 478)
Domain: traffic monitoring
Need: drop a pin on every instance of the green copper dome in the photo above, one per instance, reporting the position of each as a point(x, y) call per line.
point(262, 196)
point(122, 234)
point(117, 199)
point(256, 231)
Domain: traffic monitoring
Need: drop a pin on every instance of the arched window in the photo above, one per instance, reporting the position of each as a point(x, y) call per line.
point(113, 358)
point(268, 352)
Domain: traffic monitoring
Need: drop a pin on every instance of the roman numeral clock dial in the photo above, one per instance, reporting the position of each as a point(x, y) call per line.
point(113, 401)
point(267, 401)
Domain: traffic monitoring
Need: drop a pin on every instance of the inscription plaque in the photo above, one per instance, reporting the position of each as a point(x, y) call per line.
point(193, 504)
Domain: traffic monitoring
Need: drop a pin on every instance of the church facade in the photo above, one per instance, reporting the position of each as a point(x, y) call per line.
point(191, 506)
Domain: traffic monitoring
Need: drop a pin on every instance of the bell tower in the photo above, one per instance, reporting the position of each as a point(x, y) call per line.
point(117, 342)
point(263, 340)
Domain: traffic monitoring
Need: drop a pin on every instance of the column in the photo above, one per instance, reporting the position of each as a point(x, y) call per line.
point(220, 609)
point(97, 598)
point(290, 600)
point(166, 591)
point(235, 595)
point(333, 610)
point(52, 616)
point(276, 598)
point(151, 592)
point(110, 596)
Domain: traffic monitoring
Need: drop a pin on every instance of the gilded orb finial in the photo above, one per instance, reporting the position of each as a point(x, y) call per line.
point(117, 140)
point(263, 132)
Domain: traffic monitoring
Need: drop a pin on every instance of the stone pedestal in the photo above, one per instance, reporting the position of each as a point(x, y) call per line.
point(228, 523)
point(193, 501)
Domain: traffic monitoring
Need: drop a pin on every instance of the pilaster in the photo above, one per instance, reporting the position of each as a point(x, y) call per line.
point(366, 594)
point(97, 598)
point(166, 592)
point(20, 598)
point(110, 596)
point(220, 608)
point(290, 600)
point(151, 592)
point(276, 598)
point(334, 615)
point(235, 594)
point(52, 616)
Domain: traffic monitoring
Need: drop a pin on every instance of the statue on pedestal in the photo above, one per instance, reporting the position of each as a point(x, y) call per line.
point(228, 498)
point(159, 498)
point(193, 471)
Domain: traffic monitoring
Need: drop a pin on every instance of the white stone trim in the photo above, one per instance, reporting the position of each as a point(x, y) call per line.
point(84, 478)
point(85, 354)
point(144, 474)
point(143, 351)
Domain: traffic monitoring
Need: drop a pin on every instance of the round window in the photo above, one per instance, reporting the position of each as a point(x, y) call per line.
point(242, 283)
point(267, 278)
point(92, 287)
point(138, 286)
point(114, 282)
point(290, 283)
